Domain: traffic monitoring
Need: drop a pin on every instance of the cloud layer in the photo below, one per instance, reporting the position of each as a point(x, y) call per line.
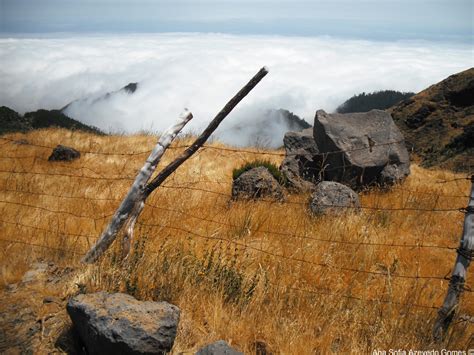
point(202, 71)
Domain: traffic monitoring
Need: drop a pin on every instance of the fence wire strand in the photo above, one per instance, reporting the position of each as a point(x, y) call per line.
point(191, 186)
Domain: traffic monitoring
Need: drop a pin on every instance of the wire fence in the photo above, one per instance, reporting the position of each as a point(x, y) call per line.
point(13, 194)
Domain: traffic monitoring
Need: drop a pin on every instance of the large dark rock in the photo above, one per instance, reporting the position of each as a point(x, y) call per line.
point(119, 324)
point(333, 197)
point(301, 165)
point(256, 183)
point(361, 149)
point(63, 153)
point(220, 347)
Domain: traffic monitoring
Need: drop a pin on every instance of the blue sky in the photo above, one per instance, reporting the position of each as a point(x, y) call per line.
point(447, 20)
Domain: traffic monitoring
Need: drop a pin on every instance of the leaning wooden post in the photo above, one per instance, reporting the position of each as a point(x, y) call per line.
point(193, 148)
point(456, 285)
point(132, 201)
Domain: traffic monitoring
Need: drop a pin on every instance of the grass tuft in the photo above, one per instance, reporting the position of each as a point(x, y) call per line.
point(272, 168)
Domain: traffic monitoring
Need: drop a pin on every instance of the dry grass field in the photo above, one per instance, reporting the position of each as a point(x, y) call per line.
point(257, 274)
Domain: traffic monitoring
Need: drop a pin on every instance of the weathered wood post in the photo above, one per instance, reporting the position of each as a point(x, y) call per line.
point(132, 201)
point(465, 253)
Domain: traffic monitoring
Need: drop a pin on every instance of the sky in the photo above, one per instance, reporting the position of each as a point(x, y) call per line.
point(198, 54)
point(369, 19)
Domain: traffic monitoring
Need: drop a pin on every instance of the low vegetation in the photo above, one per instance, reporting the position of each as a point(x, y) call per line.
point(272, 168)
point(249, 272)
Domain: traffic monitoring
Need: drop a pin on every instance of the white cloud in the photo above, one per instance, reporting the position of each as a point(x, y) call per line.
point(202, 71)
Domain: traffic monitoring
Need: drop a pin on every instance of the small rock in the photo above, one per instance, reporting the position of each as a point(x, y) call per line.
point(119, 324)
point(63, 153)
point(21, 142)
point(262, 348)
point(256, 183)
point(333, 197)
point(12, 287)
point(36, 273)
point(50, 299)
point(220, 347)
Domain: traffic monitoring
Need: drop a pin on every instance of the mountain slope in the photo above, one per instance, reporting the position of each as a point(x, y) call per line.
point(11, 121)
point(438, 123)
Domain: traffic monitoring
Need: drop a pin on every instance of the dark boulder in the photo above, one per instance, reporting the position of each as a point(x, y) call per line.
point(220, 347)
point(63, 153)
point(301, 165)
point(361, 149)
point(256, 183)
point(333, 197)
point(119, 324)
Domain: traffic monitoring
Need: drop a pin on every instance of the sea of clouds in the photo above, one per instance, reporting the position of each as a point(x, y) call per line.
point(203, 71)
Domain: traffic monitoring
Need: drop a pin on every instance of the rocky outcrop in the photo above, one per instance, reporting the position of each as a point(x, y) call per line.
point(333, 197)
point(119, 324)
point(437, 122)
point(63, 153)
point(301, 164)
point(218, 348)
point(256, 183)
point(130, 88)
point(360, 149)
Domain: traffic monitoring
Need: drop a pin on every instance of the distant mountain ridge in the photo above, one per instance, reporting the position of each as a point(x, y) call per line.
point(380, 100)
point(438, 122)
point(267, 128)
point(130, 88)
point(11, 121)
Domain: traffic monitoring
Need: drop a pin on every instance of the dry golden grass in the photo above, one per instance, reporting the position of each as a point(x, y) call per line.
point(246, 272)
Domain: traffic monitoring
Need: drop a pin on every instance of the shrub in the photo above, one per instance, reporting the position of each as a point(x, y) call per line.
point(272, 168)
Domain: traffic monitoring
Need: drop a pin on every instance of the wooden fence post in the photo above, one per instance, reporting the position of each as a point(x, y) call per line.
point(465, 253)
point(134, 201)
point(129, 203)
